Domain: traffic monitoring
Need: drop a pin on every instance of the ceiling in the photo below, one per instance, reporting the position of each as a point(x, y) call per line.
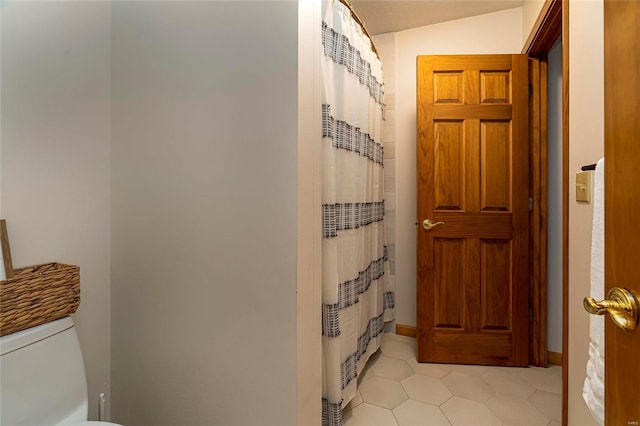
point(384, 16)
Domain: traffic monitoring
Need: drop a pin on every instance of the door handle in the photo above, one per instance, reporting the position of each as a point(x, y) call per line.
point(427, 224)
point(620, 304)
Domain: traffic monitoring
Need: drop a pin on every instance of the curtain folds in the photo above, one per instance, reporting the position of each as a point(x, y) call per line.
point(357, 296)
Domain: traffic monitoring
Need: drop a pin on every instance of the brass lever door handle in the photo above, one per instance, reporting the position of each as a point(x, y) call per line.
point(620, 304)
point(427, 224)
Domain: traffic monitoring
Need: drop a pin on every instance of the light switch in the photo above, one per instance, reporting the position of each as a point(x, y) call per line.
point(583, 186)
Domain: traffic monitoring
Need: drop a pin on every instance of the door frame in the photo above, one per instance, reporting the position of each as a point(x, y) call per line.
point(552, 22)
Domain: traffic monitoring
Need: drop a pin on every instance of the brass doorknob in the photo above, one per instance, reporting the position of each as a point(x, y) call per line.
point(620, 304)
point(427, 224)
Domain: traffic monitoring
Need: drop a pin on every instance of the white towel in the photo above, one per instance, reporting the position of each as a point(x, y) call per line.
point(593, 390)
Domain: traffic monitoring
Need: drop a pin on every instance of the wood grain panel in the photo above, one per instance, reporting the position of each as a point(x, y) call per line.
point(472, 164)
point(538, 137)
point(449, 165)
point(495, 87)
point(439, 63)
point(495, 168)
point(622, 202)
point(473, 290)
point(482, 112)
point(497, 225)
point(425, 207)
point(520, 207)
point(483, 347)
point(448, 283)
point(448, 88)
point(495, 267)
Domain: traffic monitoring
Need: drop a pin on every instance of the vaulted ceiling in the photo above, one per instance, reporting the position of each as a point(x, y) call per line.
point(384, 16)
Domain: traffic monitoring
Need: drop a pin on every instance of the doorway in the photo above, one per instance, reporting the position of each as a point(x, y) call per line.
point(402, 133)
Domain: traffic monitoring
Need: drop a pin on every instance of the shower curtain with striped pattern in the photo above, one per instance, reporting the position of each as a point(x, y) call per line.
point(357, 297)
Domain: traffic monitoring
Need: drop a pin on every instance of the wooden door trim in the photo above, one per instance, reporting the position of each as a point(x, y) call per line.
point(538, 216)
point(552, 22)
point(546, 30)
point(406, 330)
point(565, 211)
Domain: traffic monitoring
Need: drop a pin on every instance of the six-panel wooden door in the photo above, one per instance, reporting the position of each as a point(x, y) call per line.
point(473, 176)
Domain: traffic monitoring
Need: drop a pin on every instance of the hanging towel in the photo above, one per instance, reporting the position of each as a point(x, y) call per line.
point(593, 390)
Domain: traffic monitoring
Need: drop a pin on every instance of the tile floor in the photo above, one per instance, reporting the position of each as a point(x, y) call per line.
point(394, 389)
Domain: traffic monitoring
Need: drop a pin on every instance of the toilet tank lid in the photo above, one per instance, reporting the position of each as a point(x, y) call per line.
point(14, 341)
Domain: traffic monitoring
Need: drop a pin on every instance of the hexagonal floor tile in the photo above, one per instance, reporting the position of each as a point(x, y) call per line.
point(426, 389)
point(508, 383)
point(369, 415)
point(415, 413)
point(546, 379)
point(383, 392)
point(399, 338)
point(462, 411)
point(471, 370)
point(516, 411)
point(398, 349)
point(549, 404)
point(428, 369)
point(468, 387)
point(391, 368)
point(355, 401)
point(366, 373)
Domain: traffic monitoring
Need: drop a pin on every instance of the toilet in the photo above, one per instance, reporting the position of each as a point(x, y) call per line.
point(43, 380)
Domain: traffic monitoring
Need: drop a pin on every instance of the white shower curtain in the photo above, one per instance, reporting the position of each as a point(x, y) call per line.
point(357, 298)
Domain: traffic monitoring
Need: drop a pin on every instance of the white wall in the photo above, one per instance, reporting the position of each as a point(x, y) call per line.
point(204, 141)
point(499, 32)
point(586, 146)
point(56, 155)
point(530, 11)
point(554, 199)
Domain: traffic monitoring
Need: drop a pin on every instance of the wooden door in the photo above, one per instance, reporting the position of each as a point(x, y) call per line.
point(622, 202)
point(473, 175)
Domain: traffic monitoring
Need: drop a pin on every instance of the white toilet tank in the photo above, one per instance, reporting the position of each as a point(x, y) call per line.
point(42, 377)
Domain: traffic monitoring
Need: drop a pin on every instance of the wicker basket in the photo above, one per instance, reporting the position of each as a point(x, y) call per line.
point(38, 294)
